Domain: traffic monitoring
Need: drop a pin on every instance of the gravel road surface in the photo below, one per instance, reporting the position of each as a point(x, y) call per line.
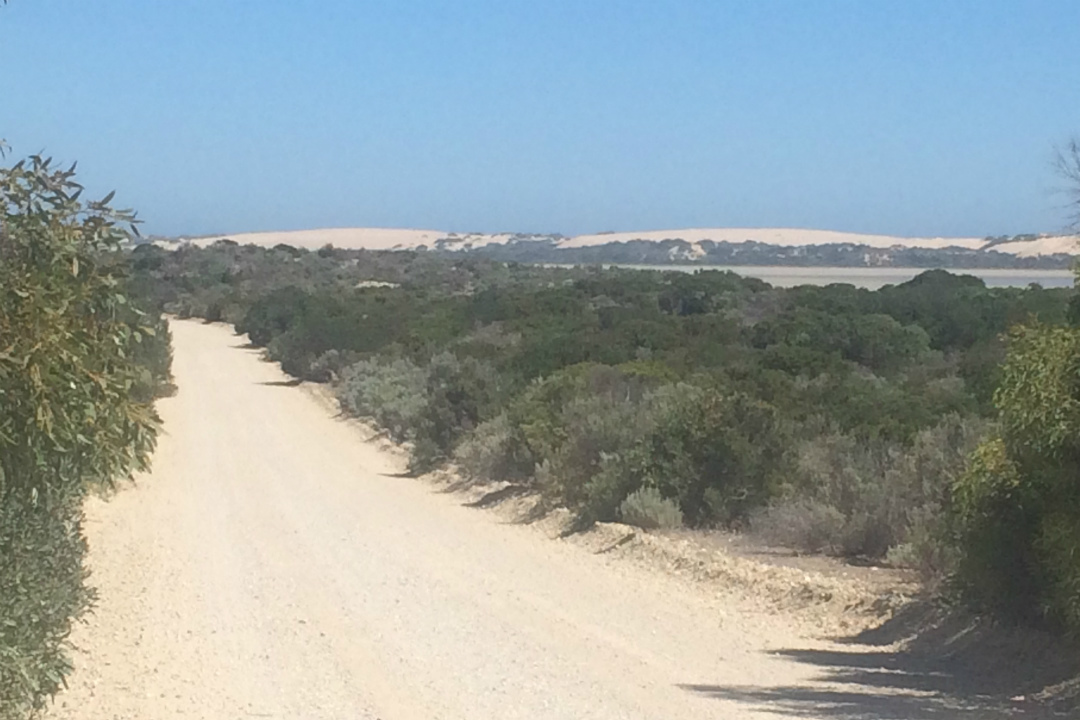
point(275, 565)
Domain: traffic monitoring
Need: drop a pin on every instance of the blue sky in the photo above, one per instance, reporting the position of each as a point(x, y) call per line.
point(906, 117)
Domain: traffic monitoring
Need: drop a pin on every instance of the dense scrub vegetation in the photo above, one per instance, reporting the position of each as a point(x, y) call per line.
point(830, 419)
point(79, 367)
point(1019, 500)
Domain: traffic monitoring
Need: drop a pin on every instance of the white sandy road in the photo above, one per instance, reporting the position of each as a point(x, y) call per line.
point(274, 566)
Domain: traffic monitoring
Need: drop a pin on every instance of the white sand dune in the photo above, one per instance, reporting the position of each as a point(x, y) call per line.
point(790, 237)
point(362, 238)
point(1051, 245)
point(409, 239)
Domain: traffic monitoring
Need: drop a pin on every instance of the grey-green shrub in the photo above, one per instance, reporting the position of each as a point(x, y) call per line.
point(719, 454)
point(601, 433)
point(430, 406)
point(647, 508)
point(495, 451)
point(586, 469)
point(874, 498)
point(459, 394)
point(329, 366)
point(392, 392)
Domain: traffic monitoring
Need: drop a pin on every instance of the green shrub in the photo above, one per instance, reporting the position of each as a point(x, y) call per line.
point(1018, 506)
point(152, 354)
point(718, 454)
point(495, 451)
point(998, 520)
point(294, 358)
point(75, 411)
point(585, 469)
point(432, 407)
point(1058, 549)
point(330, 365)
point(580, 425)
point(273, 314)
point(600, 433)
point(41, 591)
point(868, 498)
point(459, 394)
point(392, 392)
point(647, 508)
point(852, 477)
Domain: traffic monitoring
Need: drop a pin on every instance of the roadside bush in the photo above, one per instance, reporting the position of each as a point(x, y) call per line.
point(329, 366)
point(718, 454)
point(42, 590)
point(273, 314)
point(152, 355)
point(459, 393)
point(646, 508)
point(875, 498)
point(294, 358)
point(578, 426)
point(391, 392)
point(586, 469)
point(1018, 506)
point(495, 451)
point(431, 407)
point(927, 474)
point(601, 433)
point(75, 411)
point(853, 478)
point(1057, 549)
point(998, 519)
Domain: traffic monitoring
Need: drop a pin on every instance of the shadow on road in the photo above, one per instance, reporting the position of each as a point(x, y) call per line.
point(951, 667)
point(804, 702)
point(497, 496)
point(295, 382)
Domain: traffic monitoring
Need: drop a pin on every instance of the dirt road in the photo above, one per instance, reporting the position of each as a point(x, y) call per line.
point(276, 566)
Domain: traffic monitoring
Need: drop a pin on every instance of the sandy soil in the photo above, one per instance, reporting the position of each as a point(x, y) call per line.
point(1065, 244)
point(277, 565)
point(403, 239)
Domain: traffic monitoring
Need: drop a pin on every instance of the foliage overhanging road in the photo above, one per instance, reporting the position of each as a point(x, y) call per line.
point(274, 565)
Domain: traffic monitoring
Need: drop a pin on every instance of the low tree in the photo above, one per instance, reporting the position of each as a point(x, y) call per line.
point(72, 410)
